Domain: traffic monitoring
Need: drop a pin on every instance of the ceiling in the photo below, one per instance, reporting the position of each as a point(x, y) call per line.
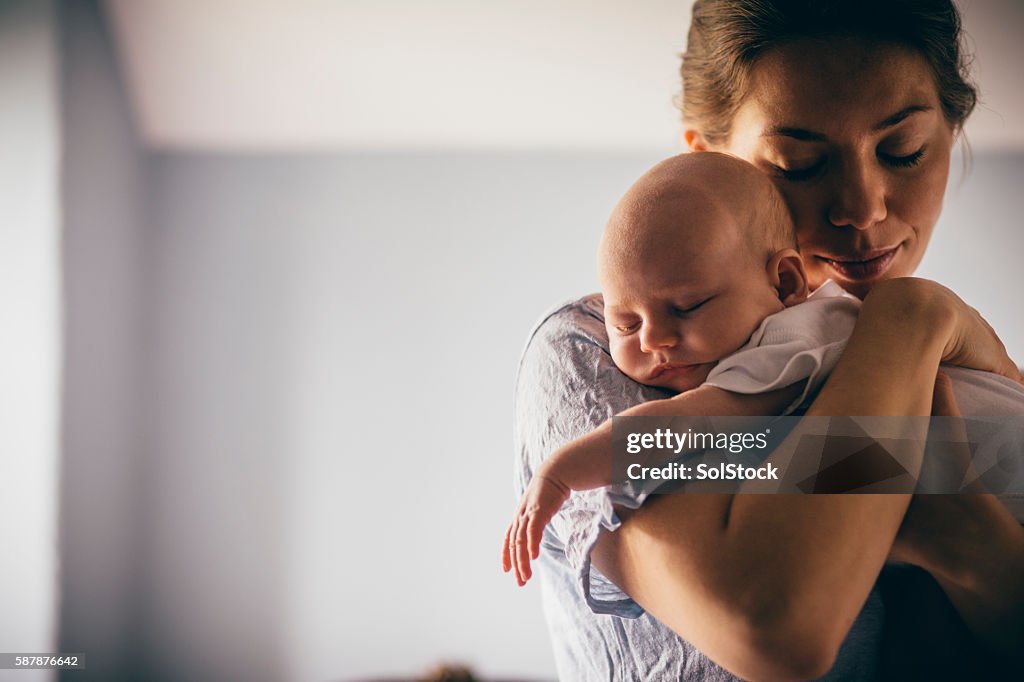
point(323, 75)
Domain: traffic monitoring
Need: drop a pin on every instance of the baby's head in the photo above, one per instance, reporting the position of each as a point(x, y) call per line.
point(696, 254)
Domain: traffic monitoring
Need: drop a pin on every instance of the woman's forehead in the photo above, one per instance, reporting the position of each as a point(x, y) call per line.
point(831, 87)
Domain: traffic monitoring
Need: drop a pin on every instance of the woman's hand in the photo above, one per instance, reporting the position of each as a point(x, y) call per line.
point(975, 344)
point(970, 340)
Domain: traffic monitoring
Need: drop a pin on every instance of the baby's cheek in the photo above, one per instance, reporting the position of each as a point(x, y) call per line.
point(729, 335)
point(625, 357)
point(706, 343)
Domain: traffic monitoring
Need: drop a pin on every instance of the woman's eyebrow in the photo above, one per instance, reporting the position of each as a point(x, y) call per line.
point(812, 136)
point(900, 115)
point(795, 133)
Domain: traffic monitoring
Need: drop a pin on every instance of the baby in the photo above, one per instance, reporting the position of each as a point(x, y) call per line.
point(701, 281)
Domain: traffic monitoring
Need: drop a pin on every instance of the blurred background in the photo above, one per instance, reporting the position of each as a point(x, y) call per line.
point(266, 269)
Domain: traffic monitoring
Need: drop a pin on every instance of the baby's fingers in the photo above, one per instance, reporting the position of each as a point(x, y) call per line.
point(513, 531)
point(523, 552)
point(506, 560)
point(534, 532)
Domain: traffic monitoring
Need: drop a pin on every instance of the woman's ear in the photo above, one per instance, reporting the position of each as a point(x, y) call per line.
point(695, 140)
point(787, 275)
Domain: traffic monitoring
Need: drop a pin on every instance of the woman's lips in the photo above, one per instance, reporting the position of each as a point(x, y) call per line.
point(866, 266)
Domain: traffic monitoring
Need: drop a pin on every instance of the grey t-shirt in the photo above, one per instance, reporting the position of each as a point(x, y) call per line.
point(566, 387)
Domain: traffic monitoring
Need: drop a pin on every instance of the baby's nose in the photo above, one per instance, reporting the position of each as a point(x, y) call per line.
point(656, 337)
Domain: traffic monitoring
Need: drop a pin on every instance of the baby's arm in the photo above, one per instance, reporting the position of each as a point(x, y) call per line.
point(585, 463)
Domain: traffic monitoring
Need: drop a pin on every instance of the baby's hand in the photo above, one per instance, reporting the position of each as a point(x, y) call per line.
point(543, 498)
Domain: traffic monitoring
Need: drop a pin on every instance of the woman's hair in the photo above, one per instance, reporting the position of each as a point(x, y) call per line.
point(727, 37)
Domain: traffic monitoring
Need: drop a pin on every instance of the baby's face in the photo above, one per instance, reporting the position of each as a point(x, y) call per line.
point(674, 311)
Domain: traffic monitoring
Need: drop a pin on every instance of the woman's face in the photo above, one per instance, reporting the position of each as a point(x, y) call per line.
point(854, 136)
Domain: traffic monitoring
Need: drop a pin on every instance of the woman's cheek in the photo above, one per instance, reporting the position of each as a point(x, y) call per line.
point(919, 205)
point(807, 208)
point(816, 273)
point(927, 192)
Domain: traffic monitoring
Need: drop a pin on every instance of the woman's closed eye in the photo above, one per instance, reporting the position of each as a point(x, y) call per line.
point(798, 172)
point(902, 161)
point(808, 171)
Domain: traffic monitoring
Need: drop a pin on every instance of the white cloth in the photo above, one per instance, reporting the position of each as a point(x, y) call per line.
point(801, 342)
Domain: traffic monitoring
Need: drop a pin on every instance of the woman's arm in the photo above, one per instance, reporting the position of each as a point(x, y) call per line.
point(769, 585)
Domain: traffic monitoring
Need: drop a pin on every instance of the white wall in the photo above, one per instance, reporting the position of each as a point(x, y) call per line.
point(978, 245)
point(102, 191)
point(215, 578)
point(337, 342)
point(30, 337)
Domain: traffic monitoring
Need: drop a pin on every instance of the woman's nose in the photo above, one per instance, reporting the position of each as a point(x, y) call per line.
point(657, 336)
point(859, 200)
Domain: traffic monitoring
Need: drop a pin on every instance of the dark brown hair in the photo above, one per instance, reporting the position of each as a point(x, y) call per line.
point(727, 36)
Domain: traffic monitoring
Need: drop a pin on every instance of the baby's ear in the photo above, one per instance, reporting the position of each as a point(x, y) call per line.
point(695, 140)
point(787, 275)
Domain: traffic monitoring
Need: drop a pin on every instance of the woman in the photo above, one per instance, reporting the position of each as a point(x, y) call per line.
point(852, 108)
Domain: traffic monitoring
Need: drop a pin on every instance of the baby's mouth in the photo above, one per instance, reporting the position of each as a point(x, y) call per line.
point(673, 368)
